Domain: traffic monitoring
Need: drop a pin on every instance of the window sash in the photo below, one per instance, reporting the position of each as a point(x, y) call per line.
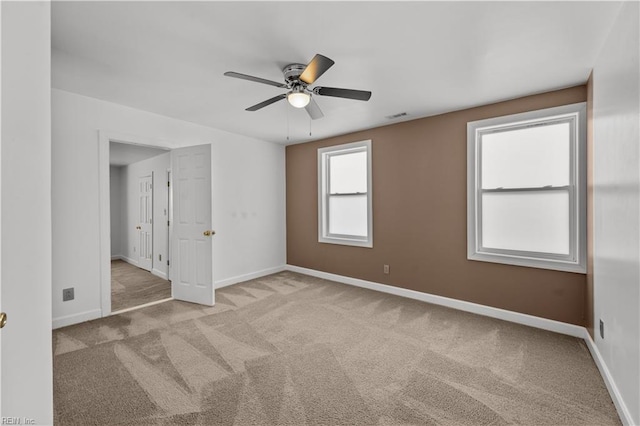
point(550, 121)
point(328, 232)
point(571, 188)
point(331, 155)
point(571, 256)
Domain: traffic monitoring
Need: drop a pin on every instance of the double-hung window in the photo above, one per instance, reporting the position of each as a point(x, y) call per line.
point(344, 194)
point(526, 189)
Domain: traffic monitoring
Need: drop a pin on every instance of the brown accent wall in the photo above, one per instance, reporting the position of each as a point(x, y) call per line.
point(420, 217)
point(588, 307)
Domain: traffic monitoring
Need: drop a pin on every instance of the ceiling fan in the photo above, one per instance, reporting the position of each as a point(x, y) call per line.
point(297, 79)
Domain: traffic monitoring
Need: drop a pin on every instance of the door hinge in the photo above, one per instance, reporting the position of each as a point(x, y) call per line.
point(167, 262)
point(168, 183)
point(167, 223)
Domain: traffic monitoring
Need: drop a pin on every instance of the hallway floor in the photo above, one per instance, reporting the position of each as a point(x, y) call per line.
point(132, 286)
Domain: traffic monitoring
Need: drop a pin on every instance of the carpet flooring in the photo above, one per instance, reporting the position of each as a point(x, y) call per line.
point(289, 349)
point(132, 286)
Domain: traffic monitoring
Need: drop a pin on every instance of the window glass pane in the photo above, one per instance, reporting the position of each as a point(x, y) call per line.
point(526, 221)
point(348, 173)
point(525, 158)
point(348, 215)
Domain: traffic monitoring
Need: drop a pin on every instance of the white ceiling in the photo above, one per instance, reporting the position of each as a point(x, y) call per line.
point(122, 154)
point(422, 58)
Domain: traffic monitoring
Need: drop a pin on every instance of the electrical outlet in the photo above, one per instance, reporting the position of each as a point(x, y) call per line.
point(67, 294)
point(601, 329)
point(385, 269)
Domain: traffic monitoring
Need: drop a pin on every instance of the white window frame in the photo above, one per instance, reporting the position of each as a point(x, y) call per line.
point(324, 155)
point(575, 261)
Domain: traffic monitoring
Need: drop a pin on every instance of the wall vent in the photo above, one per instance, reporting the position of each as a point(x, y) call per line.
point(398, 115)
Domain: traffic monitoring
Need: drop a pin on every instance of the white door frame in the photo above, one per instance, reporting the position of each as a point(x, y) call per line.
point(104, 138)
point(169, 176)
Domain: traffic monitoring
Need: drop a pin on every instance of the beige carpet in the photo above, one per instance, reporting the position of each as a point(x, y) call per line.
point(289, 349)
point(132, 286)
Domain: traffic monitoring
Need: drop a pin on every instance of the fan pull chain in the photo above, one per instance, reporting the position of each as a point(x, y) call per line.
point(309, 125)
point(287, 108)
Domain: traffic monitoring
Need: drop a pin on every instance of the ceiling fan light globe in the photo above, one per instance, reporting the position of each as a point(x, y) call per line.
point(299, 99)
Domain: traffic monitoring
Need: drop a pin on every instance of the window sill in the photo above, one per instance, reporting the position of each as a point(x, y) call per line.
point(556, 265)
point(345, 242)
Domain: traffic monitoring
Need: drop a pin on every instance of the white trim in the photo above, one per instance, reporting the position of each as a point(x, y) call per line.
point(153, 271)
point(159, 274)
point(323, 188)
point(170, 220)
point(614, 392)
point(128, 260)
point(246, 277)
point(104, 222)
point(575, 261)
point(157, 302)
point(487, 311)
point(66, 320)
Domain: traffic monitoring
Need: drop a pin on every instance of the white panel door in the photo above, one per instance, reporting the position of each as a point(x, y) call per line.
point(145, 219)
point(191, 271)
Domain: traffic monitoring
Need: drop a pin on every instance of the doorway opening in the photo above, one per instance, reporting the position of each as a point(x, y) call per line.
point(185, 244)
point(139, 223)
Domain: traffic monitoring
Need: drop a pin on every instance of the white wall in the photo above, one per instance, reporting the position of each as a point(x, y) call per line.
point(616, 126)
point(117, 206)
point(158, 166)
point(247, 178)
point(26, 370)
point(248, 192)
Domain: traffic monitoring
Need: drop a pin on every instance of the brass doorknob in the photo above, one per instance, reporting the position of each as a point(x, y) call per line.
point(208, 233)
point(3, 319)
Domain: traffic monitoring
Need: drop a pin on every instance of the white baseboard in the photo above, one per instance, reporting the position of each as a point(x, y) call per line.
point(159, 274)
point(246, 277)
point(76, 318)
point(133, 262)
point(488, 311)
point(126, 259)
point(621, 407)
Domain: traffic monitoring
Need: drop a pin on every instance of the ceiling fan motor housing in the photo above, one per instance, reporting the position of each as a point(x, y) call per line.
point(292, 73)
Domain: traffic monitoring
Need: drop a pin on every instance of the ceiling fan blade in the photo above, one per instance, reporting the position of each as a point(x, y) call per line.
point(318, 66)
point(267, 102)
point(255, 79)
point(314, 110)
point(360, 95)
